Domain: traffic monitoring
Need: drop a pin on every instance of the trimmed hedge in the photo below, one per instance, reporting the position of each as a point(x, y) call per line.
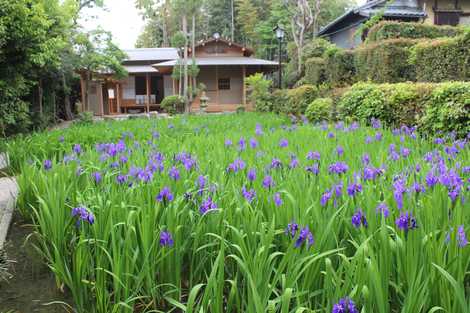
point(385, 61)
point(434, 107)
point(393, 29)
point(299, 98)
point(319, 110)
point(443, 60)
point(173, 104)
point(339, 67)
point(315, 71)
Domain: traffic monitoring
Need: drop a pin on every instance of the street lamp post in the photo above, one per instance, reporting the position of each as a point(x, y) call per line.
point(279, 35)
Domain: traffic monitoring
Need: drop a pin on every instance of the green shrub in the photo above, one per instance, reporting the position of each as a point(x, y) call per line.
point(435, 107)
point(448, 109)
point(339, 64)
point(320, 110)
point(280, 101)
point(299, 98)
point(258, 92)
point(385, 61)
point(443, 60)
point(315, 71)
point(393, 29)
point(84, 118)
point(173, 104)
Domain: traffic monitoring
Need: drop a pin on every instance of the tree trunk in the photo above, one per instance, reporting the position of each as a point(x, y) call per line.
point(185, 82)
point(40, 96)
point(193, 48)
point(233, 23)
point(67, 107)
point(87, 87)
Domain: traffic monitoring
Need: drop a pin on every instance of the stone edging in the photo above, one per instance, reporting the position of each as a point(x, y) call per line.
point(8, 195)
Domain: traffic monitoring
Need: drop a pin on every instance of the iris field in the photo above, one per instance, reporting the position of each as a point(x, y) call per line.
point(250, 213)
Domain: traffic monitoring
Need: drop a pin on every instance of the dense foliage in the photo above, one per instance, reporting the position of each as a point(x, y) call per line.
point(434, 107)
point(394, 29)
point(321, 109)
point(443, 59)
point(249, 213)
point(173, 104)
point(41, 49)
point(385, 61)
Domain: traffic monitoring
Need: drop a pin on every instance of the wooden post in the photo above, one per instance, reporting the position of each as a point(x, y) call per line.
point(82, 87)
point(147, 80)
point(100, 95)
point(217, 84)
point(118, 97)
point(244, 87)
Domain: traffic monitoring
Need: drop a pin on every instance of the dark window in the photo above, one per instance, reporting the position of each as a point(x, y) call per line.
point(447, 18)
point(140, 85)
point(224, 83)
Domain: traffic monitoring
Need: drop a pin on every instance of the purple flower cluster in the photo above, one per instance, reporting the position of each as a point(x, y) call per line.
point(207, 206)
point(236, 166)
point(344, 305)
point(249, 195)
point(359, 219)
point(83, 214)
point(166, 240)
point(338, 168)
point(165, 195)
point(406, 221)
point(305, 235)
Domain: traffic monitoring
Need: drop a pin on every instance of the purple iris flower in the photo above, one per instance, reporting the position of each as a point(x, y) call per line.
point(47, 164)
point(97, 177)
point(249, 195)
point(283, 143)
point(354, 189)
point(294, 162)
point(228, 142)
point(277, 199)
point(338, 168)
point(165, 195)
point(359, 219)
point(406, 221)
point(378, 136)
point(375, 123)
point(365, 159)
point(174, 173)
point(399, 189)
point(461, 237)
point(431, 180)
point(268, 182)
point(258, 130)
point(405, 152)
point(304, 236)
point(418, 188)
point(339, 150)
point(314, 169)
point(242, 144)
point(292, 229)
point(326, 196)
point(207, 206)
point(276, 163)
point(344, 305)
point(121, 179)
point(166, 239)
point(251, 175)
point(77, 149)
point(313, 155)
point(61, 139)
point(382, 209)
point(83, 214)
point(201, 184)
point(331, 135)
point(253, 143)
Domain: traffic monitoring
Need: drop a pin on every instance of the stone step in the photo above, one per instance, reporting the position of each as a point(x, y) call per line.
point(8, 195)
point(4, 161)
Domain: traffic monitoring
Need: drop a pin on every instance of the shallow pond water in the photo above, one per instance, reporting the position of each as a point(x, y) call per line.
point(31, 285)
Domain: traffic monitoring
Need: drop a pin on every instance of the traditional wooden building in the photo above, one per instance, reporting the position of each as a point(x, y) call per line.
point(343, 30)
point(223, 67)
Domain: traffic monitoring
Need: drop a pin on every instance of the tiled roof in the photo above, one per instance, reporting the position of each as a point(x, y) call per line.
point(140, 68)
point(397, 8)
point(151, 54)
point(221, 61)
